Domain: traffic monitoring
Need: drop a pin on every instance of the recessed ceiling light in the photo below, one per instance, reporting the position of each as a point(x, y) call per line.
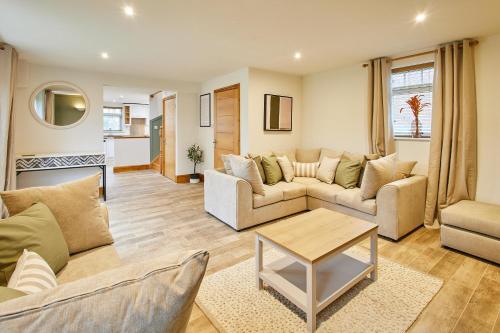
point(114, 101)
point(129, 10)
point(420, 17)
point(297, 55)
point(121, 96)
point(104, 55)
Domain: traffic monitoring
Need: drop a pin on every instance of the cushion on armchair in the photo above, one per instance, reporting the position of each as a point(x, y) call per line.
point(35, 229)
point(75, 206)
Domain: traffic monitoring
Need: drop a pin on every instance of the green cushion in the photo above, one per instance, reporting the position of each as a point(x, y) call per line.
point(34, 229)
point(258, 161)
point(271, 169)
point(347, 173)
point(9, 293)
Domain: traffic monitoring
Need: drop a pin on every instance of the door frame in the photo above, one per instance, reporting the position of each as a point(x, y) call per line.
point(231, 87)
point(163, 138)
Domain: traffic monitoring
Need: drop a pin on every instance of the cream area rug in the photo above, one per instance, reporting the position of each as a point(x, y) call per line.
point(230, 300)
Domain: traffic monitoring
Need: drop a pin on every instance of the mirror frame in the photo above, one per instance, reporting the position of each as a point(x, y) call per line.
point(52, 83)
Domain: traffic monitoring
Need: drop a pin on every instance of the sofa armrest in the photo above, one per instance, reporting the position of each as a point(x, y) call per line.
point(401, 206)
point(105, 213)
point(228, 198)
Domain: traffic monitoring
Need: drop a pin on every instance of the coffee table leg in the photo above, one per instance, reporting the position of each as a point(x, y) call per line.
point(373, 255)
point(258, 261)
point(311, 298)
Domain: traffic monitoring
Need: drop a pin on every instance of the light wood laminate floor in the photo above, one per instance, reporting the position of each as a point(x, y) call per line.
point(151, 215)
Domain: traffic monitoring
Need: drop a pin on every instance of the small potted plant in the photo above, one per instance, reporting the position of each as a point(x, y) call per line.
point(195, 155)
point(416, 106)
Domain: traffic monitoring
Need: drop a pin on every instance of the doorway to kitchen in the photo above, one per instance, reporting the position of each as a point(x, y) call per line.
point(132, 125)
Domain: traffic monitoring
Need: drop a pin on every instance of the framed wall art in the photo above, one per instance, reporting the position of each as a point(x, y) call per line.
point(277, 113)
point(205, 114)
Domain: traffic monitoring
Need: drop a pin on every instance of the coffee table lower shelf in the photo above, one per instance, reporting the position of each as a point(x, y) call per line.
point(334, 276)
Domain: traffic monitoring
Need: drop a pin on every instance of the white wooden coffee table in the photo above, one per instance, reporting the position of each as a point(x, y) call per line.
point(315, 272)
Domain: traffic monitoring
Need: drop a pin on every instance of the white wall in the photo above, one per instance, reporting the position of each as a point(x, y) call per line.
point(334, 115)
point(488, 113)
point(32, 137)
point(254, 83)
point(265, 82)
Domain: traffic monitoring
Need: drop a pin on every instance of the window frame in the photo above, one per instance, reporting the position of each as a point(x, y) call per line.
point(113, 116)
point(408, 68)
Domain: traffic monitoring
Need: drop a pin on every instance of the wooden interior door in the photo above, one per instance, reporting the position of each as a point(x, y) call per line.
point(227, 123)
point(169, 107)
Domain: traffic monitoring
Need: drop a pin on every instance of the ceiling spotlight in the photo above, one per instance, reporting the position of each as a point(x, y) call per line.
point(104, 55)
point(121, 96)
point(420, 17)
point(129, 10)
point(297, 55)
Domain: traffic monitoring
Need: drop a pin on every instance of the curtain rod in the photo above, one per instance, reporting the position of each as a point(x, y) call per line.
point(472, 43)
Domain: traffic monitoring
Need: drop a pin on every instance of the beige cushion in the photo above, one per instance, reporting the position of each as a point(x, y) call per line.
point(306, 180)
point(326, 170)
point(258, 162)
point(32, 274)
point(352, 198)
point(404, 168)
point(324, 191)
point(475, 216)
point(75, 206)
point(286, 168)
point(305, 169)
point(326, 152)
point(366, 158)
point(308, 155)
point(227, 164)
point(89, 263)
point(377, 173)
point(291, 190)
point(288, 153)
point(246, 169)
point(152, 296)
point(272, 194)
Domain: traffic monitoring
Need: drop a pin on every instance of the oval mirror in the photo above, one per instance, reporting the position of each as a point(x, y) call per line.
point(59, 104)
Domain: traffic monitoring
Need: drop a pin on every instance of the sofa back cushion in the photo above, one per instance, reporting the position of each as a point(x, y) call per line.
point(330, 153)
point(308, 155)
point(404, 169)
point(35, 229)
point(290, 154)
point(378, 173)
point(75, 206)
point(246, 168)
point(347, 173)
point(152, 296)
point(305, 169)
point(227, 164)
point(271, 169)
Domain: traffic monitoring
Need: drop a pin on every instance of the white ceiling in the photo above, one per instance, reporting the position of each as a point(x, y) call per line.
point(125, 95)
point(194, 40)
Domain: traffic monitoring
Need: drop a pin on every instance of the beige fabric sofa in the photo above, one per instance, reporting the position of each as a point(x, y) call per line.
point(397, 209)
point(472, 227)
point(97, 293)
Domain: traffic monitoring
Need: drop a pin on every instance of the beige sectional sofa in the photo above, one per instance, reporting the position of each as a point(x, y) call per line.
point(398, 207)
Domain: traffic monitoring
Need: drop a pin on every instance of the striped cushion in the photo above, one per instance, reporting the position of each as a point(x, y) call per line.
point(305, 169)
point(32, 274)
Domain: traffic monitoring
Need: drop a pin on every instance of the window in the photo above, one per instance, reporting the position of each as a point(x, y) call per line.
point(406, 83)
point(113, 119)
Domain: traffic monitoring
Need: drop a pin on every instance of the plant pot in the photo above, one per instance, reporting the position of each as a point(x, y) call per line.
point(194, 178)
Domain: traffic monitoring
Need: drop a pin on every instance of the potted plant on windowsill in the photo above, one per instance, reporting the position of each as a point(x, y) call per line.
point(416, 106)
point(195, 155)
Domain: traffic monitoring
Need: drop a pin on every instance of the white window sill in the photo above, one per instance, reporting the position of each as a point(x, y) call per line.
point(403, 138)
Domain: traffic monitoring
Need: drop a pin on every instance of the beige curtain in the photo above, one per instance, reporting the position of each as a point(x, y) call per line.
point(8, 67)
point(380, 133)
point(49, 107)
point(453, 151)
